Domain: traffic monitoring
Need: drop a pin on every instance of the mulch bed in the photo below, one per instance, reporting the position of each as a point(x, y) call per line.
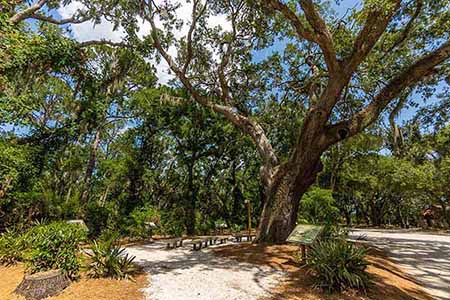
point(83, 289)
point(390, 282)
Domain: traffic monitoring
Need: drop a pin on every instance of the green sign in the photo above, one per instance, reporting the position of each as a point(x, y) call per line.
point(304, 234)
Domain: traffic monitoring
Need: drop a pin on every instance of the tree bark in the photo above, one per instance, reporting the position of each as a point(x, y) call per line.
point(190, 218)
point(42, 285)
point(279, 215)
point(90, 167)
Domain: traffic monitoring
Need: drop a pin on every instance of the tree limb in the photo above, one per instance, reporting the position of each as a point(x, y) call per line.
point(321, 35)
point(71, 20)
point(245, 124)
point(195, 17)
point(423, 67)
point(26, 13)
point(375, 25)
point(102, 42)
point(407, 30)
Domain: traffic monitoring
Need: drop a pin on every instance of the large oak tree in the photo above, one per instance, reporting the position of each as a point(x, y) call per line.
point(339, 72)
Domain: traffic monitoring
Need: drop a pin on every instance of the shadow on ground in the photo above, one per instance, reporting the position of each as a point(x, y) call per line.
point(425, 257)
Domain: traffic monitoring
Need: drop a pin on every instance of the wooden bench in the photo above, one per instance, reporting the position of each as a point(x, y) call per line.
point(238, 237)
point(213, 240)
point(174, 243)
point(198, 243)
point(223, 239)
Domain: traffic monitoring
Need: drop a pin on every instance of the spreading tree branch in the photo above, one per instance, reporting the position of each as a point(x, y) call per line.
point(321, 34)
point(102, 42)
point(245, 124)
point(71, 20)
point(26, 13)
point(422, 68)
point(375, 25)
point(407, 30)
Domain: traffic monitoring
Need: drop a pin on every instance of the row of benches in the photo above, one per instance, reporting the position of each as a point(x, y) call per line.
point(202, 242)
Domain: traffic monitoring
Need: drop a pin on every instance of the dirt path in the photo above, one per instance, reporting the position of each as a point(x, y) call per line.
point(424, 256)
point(181, 274)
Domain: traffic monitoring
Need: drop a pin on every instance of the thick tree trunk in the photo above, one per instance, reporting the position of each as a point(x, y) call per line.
point(279, 215)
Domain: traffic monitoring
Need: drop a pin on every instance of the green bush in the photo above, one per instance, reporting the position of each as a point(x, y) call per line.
point(12, 247)
point(96, 218)
point(55, 246)
point(333, 232)
point(318, 206)
point(109, 260)
point(338, 265)
point(138, 222)
point(172, 222)
point(236, 228)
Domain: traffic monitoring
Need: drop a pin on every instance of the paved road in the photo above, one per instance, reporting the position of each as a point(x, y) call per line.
point(424, 256)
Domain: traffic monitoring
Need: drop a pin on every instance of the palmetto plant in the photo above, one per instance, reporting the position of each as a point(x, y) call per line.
point(338, 265)
point(12, 246)
point(109, 260)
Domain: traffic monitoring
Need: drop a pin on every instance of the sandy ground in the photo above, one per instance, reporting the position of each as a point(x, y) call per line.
point(425, 256)
point(181, 273)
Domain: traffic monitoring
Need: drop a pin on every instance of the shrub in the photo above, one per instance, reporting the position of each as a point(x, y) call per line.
point(236, 228)
point(172, 222)
point(55, 246)
point(12, 247)
point(96, 217)
point(338, 265)
point(318, 206)
point(138, 222)
point(334, 232)
point(109, 260)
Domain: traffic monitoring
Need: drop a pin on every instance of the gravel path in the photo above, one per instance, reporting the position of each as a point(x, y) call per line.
point(181, 274)
point(424, 256)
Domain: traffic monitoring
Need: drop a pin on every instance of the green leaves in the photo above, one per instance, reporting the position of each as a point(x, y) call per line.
point(318, 206)
point(338, 265)
point(108, 260)
point(55, 246)
point(44, 247)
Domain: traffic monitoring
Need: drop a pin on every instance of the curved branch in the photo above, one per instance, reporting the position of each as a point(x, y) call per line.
point(376, 24)
point(26, 13)
point(422, 68)
point(245, 124)
point(408, 28)
point(321, 35)
point(71, 20)
point(102, 42)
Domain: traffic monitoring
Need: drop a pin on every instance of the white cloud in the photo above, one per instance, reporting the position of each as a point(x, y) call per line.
point(87, 31)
